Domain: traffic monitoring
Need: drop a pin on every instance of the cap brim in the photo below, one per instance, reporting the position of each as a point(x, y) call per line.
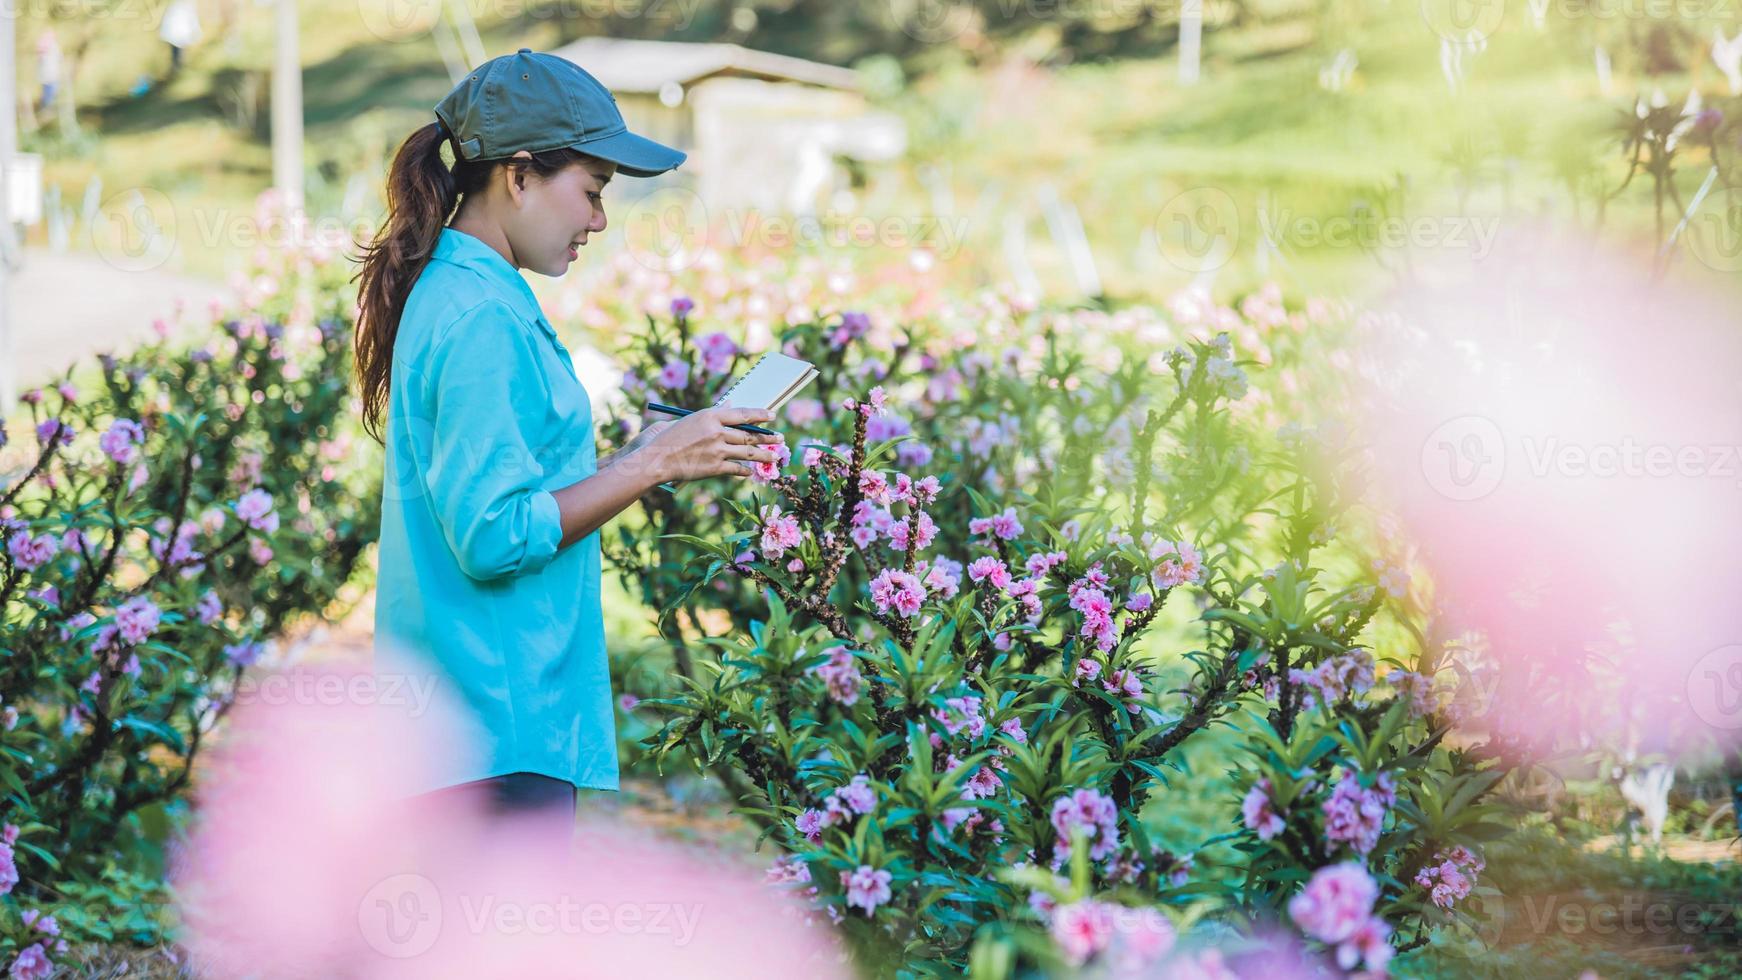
point(636, 156)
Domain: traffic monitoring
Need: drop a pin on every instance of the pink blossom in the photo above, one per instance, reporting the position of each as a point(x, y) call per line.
point(1013, 728)
point(1415, 689)
point(675, 376)
point(45, 924)
point(1354, 814)
point(789, 870)
point(1180, 563)
point(54, 431)
point(1125, 683)
point(1140, 602)
point(1368, 945)
point(1451, 876)
point(866, 888)
point(982, 784)
point(1145, 936)
point(926, 490)
point(255, 510)
point(810, 824)
point(31, 964)
point(1335, 903)
point(924, 532)
point(209, 608)
point(779, 532)
point(122, 440)
point(1082, 929)
point(989, 568)
point(1004, 525)
point(841, 677)
point(960, 713)
point(718, 350)
point(1258, 812)
point(67, 391)
point(1040, 563)
point(875, 486)
point(32, 553)
point(769, 472)
point(259, 551)
point(681, 306)
point(898, 590)
point(942, 578)
point(1092, 811)
point(627, 702)
point(8, 869)
point(857, 796)
point(137, 619)
point(1087, 670)
point(244, 653)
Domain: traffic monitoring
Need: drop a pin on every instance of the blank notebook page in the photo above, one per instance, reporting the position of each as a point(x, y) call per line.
point(774, 379)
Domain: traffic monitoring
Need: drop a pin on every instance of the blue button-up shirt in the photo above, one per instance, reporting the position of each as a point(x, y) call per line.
point(485, 418)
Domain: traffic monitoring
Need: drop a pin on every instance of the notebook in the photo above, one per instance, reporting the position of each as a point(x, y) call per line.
point(769, 383)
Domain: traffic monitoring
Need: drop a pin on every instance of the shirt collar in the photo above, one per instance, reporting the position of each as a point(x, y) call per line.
point(463, 249)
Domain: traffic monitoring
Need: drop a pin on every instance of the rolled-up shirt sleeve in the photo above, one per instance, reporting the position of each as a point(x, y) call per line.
point(485, 480)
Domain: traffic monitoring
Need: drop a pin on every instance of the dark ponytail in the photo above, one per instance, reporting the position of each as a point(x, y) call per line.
point(422, 194)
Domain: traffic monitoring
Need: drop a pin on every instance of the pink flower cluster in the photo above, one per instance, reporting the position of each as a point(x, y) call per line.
point(1092, 811)
point(1258, 811)
point(856, 797)
point(1134, 939)
point(1042, 562)
point(121, 442)
point(1087, 597)
point(897, 590)
point(961, 713)
point(1354, 814)
point(990, 569)
point(852, 327)
point(1336, 908)
point(779, 531)
point(1451, 875)
point(1179, 564)
point(718, 350)
point(942, 577)
point(1336, 677)
point(1004, 526)
point(1126, 684)
point(769, 472)
point(866, 888)
point(924, 532)
point(1416, 689)
point(840, 675)
point(255, 510)
point(32, 553)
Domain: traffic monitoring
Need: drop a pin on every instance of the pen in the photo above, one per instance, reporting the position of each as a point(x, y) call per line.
point(681, 412)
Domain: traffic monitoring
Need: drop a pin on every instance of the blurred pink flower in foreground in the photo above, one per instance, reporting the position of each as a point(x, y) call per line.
point(308, 859)
point(1558, 434)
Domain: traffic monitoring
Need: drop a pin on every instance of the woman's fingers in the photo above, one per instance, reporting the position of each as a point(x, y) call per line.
point(742, 438)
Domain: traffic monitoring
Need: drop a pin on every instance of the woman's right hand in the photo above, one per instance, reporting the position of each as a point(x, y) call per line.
point(704, 444)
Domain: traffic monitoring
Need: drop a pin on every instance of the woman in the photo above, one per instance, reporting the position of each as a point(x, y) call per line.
point(489, 557)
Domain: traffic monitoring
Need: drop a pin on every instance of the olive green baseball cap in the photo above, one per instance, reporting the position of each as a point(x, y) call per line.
point(536, 102)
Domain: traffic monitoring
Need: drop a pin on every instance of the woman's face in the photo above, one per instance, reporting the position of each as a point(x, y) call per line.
point(556, 215)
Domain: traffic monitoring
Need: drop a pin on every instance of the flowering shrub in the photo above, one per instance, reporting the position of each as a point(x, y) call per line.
point(160, 519)
point(962, 638)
